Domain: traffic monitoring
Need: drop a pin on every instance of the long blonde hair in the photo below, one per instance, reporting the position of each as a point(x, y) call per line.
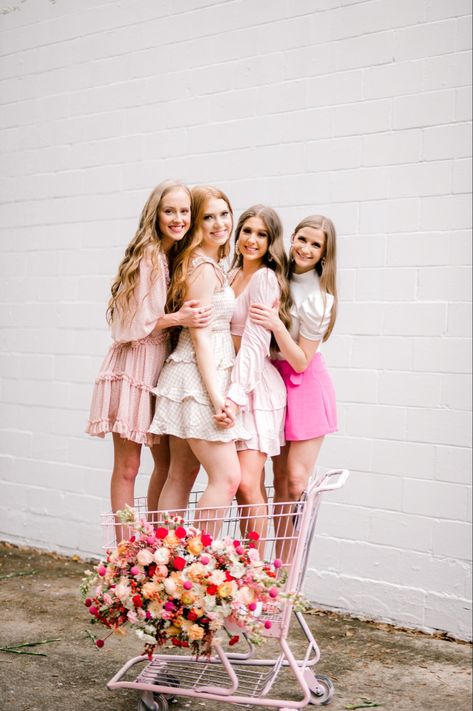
point(181, 263)
point(326, 267)
point(275, 257)
point(147, 239)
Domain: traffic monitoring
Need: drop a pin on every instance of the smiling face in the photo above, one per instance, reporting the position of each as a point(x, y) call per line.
point(174, 217)
point(217, 225)
point(253, 240)
point(308, 248)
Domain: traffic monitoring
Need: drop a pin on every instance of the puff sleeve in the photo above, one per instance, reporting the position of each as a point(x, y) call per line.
point(314, 315)
point(255, 341)
point(149, 299)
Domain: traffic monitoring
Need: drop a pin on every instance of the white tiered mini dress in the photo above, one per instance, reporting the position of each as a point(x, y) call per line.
point(183, 407)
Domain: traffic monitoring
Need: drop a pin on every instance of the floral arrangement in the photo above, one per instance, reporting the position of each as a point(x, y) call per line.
point(176, 584)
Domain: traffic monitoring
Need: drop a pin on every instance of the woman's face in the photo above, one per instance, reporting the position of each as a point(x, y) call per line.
point(174, 216)
point(253, 240)
point(308, 248)
point(217, 224)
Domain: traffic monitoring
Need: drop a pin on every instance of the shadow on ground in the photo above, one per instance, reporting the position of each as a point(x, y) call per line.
point(39, 600)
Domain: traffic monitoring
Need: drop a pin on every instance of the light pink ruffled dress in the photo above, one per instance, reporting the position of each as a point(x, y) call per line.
point(256, 384)
point(122, 400)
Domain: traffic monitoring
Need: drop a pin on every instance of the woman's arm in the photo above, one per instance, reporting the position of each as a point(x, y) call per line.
point(201, 286)
point(255, 341)
point(192, 314)
point(297, 354)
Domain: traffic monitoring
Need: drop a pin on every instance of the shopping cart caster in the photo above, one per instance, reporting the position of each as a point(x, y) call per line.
point(157, 703)
point(321, 688)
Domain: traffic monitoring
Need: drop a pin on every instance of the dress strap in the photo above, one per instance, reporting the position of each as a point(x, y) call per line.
point(203, 259)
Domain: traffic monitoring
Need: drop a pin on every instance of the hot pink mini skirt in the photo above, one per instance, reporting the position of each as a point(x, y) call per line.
point(311, 409)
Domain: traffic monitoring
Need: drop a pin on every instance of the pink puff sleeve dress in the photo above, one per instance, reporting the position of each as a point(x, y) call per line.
point(255, 383)
point(122, 400)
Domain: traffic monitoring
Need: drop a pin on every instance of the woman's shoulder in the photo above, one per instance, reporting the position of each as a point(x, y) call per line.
point(264, 277)
point(317, 303)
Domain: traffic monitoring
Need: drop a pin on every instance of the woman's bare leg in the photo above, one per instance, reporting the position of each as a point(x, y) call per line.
point(292, 470)
point(254, 510)
point(220, 461)
point(183, 470)
point(161, 459)
point(126, 464)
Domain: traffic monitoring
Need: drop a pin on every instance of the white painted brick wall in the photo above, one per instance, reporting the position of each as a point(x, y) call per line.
point(361, 109)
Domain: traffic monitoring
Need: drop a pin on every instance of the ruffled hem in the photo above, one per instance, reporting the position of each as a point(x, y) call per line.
point(191, 419)
point(100, 428)
point(109, 377)
point(270, 447)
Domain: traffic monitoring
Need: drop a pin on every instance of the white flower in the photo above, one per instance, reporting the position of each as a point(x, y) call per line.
point(162, 555)
point(238, 570)
point(131, 615)
point(218, 546)
point(217, 577)
point(146, 638)
point(170, 586)
point(144, 557)
point(253, 554)
point(210, 603)
point(122, 591)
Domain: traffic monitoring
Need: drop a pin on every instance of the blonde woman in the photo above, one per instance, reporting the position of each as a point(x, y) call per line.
point(311, 406)
point(122, 402)
point(259, 275)
point(191, 390)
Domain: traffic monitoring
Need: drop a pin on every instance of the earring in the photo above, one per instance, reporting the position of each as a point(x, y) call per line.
point(237, 249)
point(270, 258)
point(322, 262)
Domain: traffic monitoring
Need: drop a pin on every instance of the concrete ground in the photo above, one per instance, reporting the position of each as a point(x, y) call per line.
point(371, 665)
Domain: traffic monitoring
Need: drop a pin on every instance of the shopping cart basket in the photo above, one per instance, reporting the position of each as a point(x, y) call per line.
point(229, 676)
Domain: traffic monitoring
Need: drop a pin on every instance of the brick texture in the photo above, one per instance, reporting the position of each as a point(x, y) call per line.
point(358, 109)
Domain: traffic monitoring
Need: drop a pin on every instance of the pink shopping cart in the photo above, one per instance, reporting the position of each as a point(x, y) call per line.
point(243, 677)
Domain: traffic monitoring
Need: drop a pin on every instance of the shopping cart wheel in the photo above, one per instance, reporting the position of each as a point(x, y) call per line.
point(159, 704)
point(321, 690)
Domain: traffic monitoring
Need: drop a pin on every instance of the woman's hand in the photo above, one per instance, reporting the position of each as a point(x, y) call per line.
point(226, 416)
point(193, 315)
point(265, 316)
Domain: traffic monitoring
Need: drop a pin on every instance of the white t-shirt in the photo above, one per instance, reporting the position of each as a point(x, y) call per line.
point(310, 313)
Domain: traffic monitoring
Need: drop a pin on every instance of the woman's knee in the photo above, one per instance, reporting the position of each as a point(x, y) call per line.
point(126, 470)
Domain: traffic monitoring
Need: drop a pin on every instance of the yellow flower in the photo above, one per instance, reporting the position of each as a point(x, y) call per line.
point(195, 633)
point(187, 598)
point(172, 540)
point(150, 590)
point(195, 545)
point(225, 589)
point(172, 631)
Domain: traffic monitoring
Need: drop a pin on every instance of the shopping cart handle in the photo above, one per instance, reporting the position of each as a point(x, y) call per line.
point(326, 485)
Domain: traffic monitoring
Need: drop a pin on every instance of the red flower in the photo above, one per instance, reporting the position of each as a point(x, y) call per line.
point(87, 602)
point(137, 601)
point(179, 563)
point(100, 643)
point(228, 577)
point(253, 536)
point(206, 539)
point(161, 532)
point(234, 640)
point(192, 616)
point(212, 590)
point(180, 532)
point(237, 543)
point(151, 569)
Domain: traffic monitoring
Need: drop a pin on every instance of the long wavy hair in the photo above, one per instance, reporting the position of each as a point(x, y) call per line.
point(326, 267)
point(275, 257)
point(147, 239)
point(200, 195)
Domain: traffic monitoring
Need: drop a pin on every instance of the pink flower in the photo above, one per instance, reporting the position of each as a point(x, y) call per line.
point(187, 585)
point(268, 624)
point(277, 563)
point(252, 606)
point(169, 606)
point(273, 592)
point(135, 570)
point(204, 559)
point(101, 570)
point(240, 550)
